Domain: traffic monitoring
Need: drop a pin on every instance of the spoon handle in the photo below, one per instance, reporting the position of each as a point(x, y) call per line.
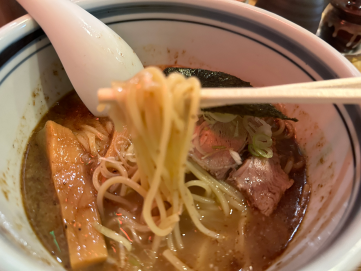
point(346, 91)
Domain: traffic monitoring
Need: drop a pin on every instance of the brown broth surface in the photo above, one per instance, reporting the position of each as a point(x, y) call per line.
point(265, 237)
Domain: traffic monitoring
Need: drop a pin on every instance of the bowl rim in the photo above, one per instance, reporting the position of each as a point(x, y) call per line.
point(20, 29)
point(283, 32)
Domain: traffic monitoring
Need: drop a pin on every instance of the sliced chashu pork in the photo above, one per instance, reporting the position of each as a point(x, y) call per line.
point(212, 144)
point(263, 181)
point(76, 196)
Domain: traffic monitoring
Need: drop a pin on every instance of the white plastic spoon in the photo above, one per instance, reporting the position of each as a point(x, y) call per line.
point(346, 91)
point(92, 54)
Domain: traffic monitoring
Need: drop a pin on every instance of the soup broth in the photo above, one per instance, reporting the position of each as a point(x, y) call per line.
point(263, 238)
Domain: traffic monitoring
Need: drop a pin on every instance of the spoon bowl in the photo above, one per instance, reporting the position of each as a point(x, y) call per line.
point(92, 54)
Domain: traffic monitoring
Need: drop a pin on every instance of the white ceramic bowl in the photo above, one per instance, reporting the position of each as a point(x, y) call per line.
point(219, 35)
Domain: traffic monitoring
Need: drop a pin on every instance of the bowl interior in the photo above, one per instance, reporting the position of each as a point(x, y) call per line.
point(34, 79)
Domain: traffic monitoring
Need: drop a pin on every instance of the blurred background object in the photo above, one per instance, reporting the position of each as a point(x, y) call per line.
point(9, 10)
point(338, 22)
point(305, 13)
point(341, 25)
point(341, 28)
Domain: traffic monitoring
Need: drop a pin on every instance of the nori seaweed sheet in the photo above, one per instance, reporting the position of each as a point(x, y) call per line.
point(210, 79)
point(213, 79)
point(256, 110)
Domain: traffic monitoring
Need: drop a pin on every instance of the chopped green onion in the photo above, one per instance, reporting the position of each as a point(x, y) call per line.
point(256, 125)
point(261, 141)
point(222, 117)
point(266, 153)
point(208, 119)
point(54, 239)
point(236, 157)
point(260, 133)
point(265, 128)
point(246, 125)
point(252, 151)
point(236, 130)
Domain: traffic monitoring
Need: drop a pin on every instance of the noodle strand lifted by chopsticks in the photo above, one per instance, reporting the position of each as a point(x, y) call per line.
point(160, 114)
point(161, 134)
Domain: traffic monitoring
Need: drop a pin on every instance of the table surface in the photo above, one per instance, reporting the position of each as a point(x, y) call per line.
point(9, 10)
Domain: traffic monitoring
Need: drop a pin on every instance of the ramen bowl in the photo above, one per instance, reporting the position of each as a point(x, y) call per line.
point(227, 36)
